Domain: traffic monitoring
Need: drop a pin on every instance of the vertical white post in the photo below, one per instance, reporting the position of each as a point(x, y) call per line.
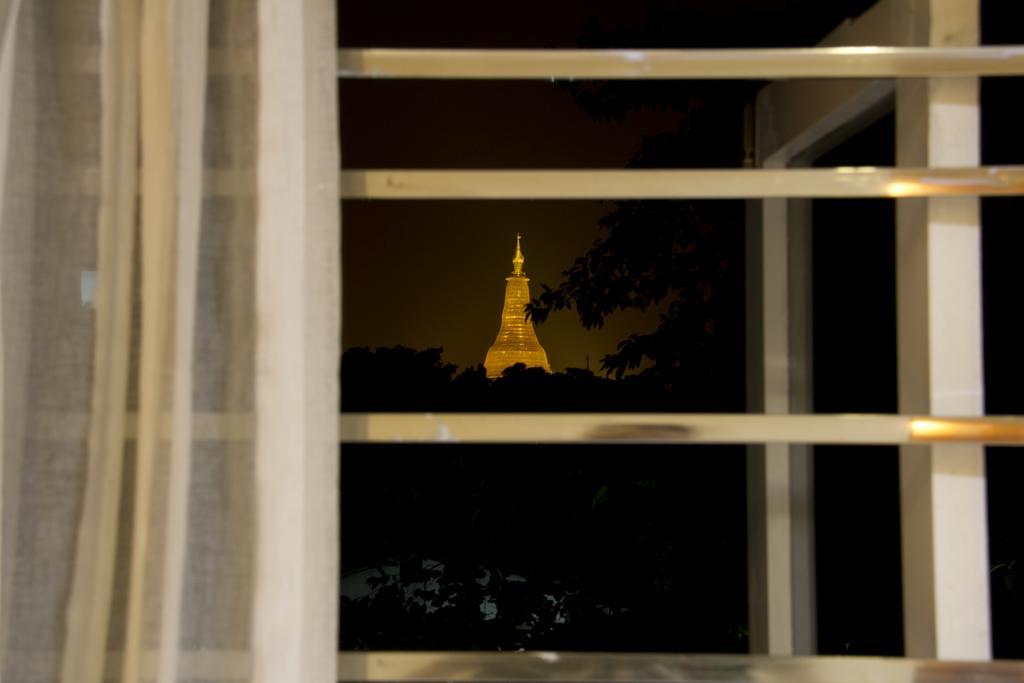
point(297, 305)
point(942, 488)
point(794, 121)
point(779, 477)
point(801, 456)
point(777, 505)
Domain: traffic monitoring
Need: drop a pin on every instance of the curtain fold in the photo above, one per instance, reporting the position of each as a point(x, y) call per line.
point(9, 11)
point(92, 576)
point(169, 278)
point(297, 270)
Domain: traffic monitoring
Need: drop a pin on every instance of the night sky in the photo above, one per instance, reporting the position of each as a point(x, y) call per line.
point(431, 273)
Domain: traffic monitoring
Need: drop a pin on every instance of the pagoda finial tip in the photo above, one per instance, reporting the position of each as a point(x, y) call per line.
point(518, 260)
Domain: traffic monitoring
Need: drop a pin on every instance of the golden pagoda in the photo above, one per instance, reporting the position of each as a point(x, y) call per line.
point(516, 341)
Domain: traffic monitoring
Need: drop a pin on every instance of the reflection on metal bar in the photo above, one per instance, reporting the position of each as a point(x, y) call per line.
point(676, 428)
point(682, 184)
point(486, 667)
point(826, 62)
point(692, 428)
point(950, 429)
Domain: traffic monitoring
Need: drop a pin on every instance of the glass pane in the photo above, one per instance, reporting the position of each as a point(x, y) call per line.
point(1003, 282)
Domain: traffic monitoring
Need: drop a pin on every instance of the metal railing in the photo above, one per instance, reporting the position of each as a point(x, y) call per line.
point(594, 667)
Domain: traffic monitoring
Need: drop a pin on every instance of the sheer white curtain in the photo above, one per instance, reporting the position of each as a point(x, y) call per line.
point(169, 254)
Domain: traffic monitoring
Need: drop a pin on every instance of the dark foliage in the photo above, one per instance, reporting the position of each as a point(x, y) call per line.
point(399, 379)
point(537, 547)
point(685, 256)
point(378, 377)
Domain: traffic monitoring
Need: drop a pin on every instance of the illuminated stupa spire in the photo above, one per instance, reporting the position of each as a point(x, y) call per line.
point(518, 260)
point(516, 341)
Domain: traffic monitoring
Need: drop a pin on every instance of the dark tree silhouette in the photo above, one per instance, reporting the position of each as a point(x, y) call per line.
point(542, 547)
point(683, 256)
point(400, 379)
point(375, 380)
point(655, 253)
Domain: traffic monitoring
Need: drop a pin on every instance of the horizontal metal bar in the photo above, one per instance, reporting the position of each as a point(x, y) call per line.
point(672, 428)
point(675, 428)
point(577, 667)
point(822, 62)
point(867, 181)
